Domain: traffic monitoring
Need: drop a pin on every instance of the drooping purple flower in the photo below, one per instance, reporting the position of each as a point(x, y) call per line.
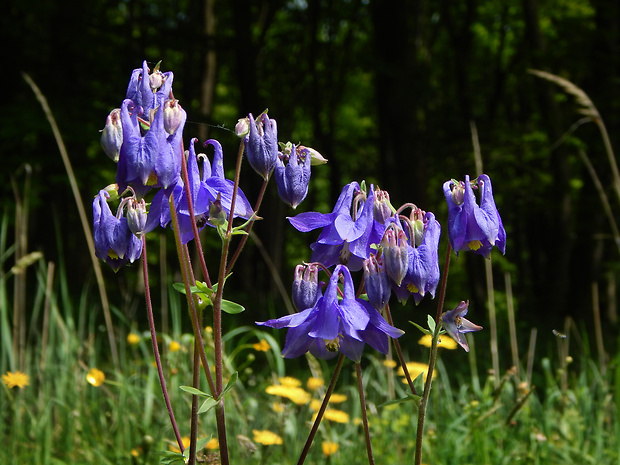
point(423, 270)
point(261, 144)
point(152, 160)
point(333, 326)
point(306, 290)
point(206, 190)
point(472, 226)
point(376, 282)
point(114, 242)
point(345, 239)
point(149, 91)
point(292, 175)
point(395, 248)
point(112, 135)
point(456, 325)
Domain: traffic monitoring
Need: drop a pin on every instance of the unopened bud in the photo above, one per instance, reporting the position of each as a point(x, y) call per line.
point(112, 135)
point(242, 127)
point(173, 116)
point(395, 254)
point(305, 287)
point(315, 157)
point(136, 216)
point(376, 282)
point(381, 209)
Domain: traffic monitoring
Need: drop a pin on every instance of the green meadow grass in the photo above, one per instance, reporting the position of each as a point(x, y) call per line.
point(59, 418)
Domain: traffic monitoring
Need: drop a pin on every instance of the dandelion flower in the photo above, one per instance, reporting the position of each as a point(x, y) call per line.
point(337, 398)
point(296, 394)
point(266, 438)
point(185, 440)
point(95, 377)
point(314, 383)
point(278, 407)
point(289, 381)
point(315, 405)
point(213, 444)
point(389, 363)
point(261, 346)
point(15, 378)
point(174, 346)
point(335, 415)
point(133, 339)
point(329, 448)
point(444, 342)
point(414, 369)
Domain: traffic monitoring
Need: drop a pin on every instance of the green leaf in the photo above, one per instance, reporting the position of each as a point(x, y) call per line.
point(409, 398)
point(168, 457)
point(418, 383)
point(424, 330)
point(179, 287)
point(202, 442)
point(231, 307)
point(431, 323)
point(207, 405)
point(194, 391)
point(230, 384)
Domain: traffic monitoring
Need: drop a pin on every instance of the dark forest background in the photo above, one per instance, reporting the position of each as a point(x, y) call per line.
point(386, 90)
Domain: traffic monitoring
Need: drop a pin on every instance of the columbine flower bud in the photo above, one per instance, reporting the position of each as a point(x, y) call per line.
point(242, 127)
point(261, 144)
point(395, 254)
point(376, 282)
point(136, 216)
point(112, 135)
point(292, 180)
point(305, 287)
point(458, 192)
point(156, 78)
point(417, 225)
point(173, 116)
point(382, 209)
point(316, 157)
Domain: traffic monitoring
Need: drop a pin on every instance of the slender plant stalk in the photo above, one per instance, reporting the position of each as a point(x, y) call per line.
point(321, 412)
point(360, 387)
point(432, 360)
point(399, 352)
point(160, 371)
point(512, 327)
point(82, 213)
point(195, 399)
point(492, 321)
point(598, 330)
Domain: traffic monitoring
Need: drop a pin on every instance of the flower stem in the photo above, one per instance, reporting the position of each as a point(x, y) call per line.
point(431, 362)
point(399, 352)
point(360, 386)
point(319, 415)
point(162, 380)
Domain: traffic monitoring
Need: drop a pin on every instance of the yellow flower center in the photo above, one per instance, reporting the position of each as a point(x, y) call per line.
point(475, 245)
point(332, 345)
point(412, 288)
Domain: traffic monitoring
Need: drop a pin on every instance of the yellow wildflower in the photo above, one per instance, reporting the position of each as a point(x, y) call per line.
point(314, 383)
point(266, 438)
point(329, 448)
point(174, 346)
point(213, 444)
point(135, 452)
point(296, 394)
point(15, 378)
point(208, 330)
point(261, 346)
point(446, 342)
point(133, 339)
point(415, 368)
point(289, 381)
point(95, 377)
point(174, 448)
point(335, 415)
point(337, 398)
point(315, 404)
point(277, 407)
point(389, 363)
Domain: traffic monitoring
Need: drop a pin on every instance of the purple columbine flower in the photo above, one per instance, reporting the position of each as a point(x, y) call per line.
point(206, 190)
point(149, 91)
point(261, 144)
point(454, 323)
point(292, 175)
point(472, 226)
point(423, 269)
point(345, 239)
point(114, 242)
point(306, 289)
point(376, 282)
point(152, 160)
point(333, 326)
